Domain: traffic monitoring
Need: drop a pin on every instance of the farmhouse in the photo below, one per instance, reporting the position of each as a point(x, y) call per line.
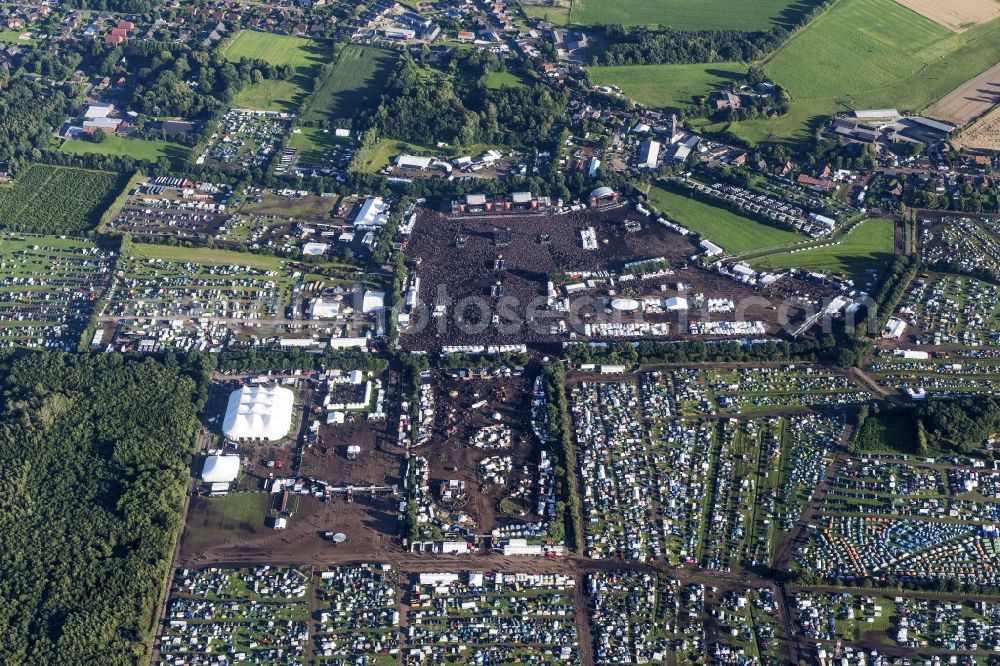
point(727, 100)
point(259, 412)
point(399, 33)
point(877, 114)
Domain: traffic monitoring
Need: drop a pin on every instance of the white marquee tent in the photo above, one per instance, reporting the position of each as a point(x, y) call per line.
point(220, 469)
point(259, 412)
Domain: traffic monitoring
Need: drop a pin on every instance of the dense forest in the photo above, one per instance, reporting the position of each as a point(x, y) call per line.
point(28, 112)
point(425, 105)
point(963, 426)
point(94, 457)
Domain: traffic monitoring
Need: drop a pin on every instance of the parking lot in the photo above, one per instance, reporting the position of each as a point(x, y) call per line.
point(50, 287)
point(659, 483)
point(950, 309)
point(257, 615)
point(245, 139)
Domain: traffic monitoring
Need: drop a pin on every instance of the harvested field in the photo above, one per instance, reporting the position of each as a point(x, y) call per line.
point(970, 100)
point(957, 15)
point(984, 135)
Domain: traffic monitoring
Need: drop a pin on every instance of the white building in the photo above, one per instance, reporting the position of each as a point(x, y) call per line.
point(710, 248)
point(259, 412)
point(374, 213)
point(894, 328)
point(98, 111)
point(675, 304)
point(414, 162)
point(320, 308)
point(372, 301)
point(649, 154)
point(348, 343)
point(314, 249)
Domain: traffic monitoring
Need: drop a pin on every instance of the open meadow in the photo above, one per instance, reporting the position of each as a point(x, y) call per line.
point(140, 149)
point(691, 14)
point(204, 256)
point(314, 143)
point(672, 87)
point(56, 200)
point(868, 245)
point(869, 54)
point(352, 85)
point(274, 49)
point(286, 95)
point(734, 233)
point(555, 14)
point(497, 80)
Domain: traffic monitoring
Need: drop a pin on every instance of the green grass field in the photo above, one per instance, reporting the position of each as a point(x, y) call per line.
point(313, 142)
point(868, 245)
point(734, 233)
point(274, 49)
point(554, 15)
point(205, 256)
point(354, 84)
point(497, 80)
point(305, 55)
point(140, 149)
point(690, 14)
point(213, 519)
point(869, 54)
point(272, 95)
point(667, 86)
point(14, 37)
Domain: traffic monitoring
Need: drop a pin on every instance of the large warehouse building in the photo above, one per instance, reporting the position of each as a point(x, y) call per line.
point(259, 412)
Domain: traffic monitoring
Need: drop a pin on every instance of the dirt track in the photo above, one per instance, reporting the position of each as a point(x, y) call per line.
point(956, 15)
